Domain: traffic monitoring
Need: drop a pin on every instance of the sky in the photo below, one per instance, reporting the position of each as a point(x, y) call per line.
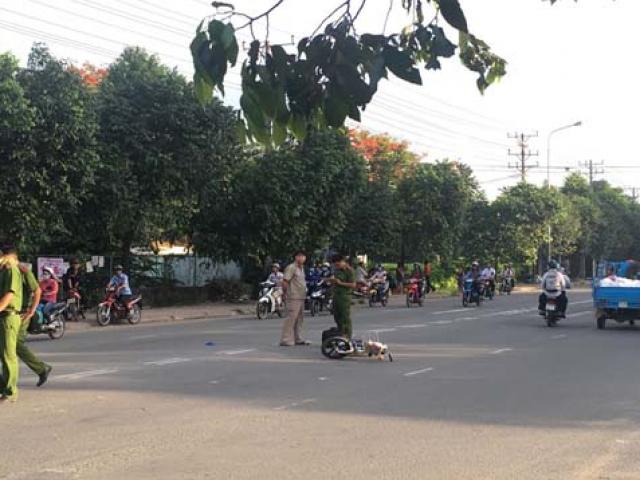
point(571, 62)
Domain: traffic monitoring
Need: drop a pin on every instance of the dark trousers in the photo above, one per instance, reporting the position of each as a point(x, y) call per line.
point(562, 300)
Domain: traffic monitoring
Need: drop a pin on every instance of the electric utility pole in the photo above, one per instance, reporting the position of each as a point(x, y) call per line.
point(592, 169)
point(523, 153)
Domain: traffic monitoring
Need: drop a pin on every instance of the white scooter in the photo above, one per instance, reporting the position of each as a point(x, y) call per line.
point(269, 302)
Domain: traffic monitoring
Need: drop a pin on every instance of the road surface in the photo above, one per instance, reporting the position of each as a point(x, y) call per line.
point(477, 393)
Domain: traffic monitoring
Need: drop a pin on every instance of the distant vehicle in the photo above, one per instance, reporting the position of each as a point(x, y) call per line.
point(616, 298)
point(472, 293)
point(413, 293)
point(552, 313)
point(52, 324)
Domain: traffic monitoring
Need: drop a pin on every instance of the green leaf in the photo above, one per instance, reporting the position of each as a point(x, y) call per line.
point(401, 65)
point(279, 57)
point(232, 52)
point(298, 125)
point(453, 14)
point(354, 112)
point(201, 55)
point(216, 30)
point(279, 133)
point(441, 45)
point(203, 88)
point(336, 109)
point(241, 131)
point(352, 84)
point(227, 36)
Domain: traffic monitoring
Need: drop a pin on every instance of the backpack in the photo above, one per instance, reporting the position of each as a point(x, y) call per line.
point(553, 281)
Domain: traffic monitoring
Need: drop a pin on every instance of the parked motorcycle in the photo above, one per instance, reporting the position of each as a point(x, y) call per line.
point(268, 301)
point(379, 293)
point(52, 324)
point(74, 306)
point(472, 292)
point(413, 293)
point(111, 309)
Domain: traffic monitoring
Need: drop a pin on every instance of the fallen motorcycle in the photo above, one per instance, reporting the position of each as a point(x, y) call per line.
point(336, 346)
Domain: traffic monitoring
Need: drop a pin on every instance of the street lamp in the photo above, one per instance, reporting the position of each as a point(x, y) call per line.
point(576, 124)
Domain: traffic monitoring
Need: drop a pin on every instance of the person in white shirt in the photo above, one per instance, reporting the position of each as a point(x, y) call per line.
point(276, 277)
point(554, 284)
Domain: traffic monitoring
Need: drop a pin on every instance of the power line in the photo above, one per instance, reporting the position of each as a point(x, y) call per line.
point(524, 154)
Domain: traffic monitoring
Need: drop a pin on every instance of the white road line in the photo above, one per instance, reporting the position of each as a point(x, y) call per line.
point(167, 361)
point(238, 352)
point(578, 314)
point(580, 302)
point(441, 322)
point(85, 374)
point(450, 311)
point(296, 404)
point(143, 337)
point(466, 319)
point(417, 325)
point(501, 350)
point(382, 330)
point(558, 337)
point(322, 379)
point(418, 372)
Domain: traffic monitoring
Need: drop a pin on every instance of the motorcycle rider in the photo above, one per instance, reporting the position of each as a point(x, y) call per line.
point(276, 277)
point(361, 275)
point(49, 287)
point(417, 275)
point(554, 284)
point(379, 280)
point(71, 279)
point(489, 275)
point(474, 274)
point(509, 275)
point(120, 282)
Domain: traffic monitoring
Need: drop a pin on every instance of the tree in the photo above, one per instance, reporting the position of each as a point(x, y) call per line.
point(51, 164)
point(280, 200)
point(374, 226)
point(17, 119)
point(334, 73)
point(524, 212)
point(161, 151)
point(435, 201)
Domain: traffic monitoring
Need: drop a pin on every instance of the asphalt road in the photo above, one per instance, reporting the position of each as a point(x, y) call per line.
point(477, 393)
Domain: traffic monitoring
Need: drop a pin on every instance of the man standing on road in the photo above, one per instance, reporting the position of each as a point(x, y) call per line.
point(10, 305)
point(24, 353)
point(295, 292)
point(343, 282)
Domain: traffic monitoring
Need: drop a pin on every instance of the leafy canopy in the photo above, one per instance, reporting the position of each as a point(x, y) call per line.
point(334, 72)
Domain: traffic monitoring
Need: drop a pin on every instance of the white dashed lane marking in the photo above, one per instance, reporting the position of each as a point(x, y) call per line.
point(167, 361)
point(418, 372)
point(501, 350)
point(86, 373)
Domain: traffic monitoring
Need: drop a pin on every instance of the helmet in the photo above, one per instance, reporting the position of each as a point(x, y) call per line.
point(475, 264)
point(326, 264)
point(48, 270)
point(276, 265)
point(553, 264)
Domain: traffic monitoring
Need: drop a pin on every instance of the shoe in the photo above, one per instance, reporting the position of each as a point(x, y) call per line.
point(282, 344)
point(44, 376)
point(304, 342)
point(7, 399)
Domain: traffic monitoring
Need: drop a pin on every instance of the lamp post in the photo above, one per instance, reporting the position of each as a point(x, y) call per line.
point(556, 130)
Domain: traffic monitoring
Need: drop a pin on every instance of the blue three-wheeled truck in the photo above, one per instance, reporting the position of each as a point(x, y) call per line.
point(616, 292)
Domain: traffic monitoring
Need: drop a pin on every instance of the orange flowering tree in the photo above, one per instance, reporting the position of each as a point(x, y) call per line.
point(91, 75)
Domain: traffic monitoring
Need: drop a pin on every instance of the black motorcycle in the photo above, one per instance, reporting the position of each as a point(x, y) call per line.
point(318, 297)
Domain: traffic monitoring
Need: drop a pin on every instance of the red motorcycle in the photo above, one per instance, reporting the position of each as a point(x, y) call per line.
point(413, 293)
point(112, 309)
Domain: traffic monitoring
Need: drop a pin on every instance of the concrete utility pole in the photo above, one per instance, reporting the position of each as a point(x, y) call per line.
point(634, 192)
point(524, 153)
point(592, 169)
